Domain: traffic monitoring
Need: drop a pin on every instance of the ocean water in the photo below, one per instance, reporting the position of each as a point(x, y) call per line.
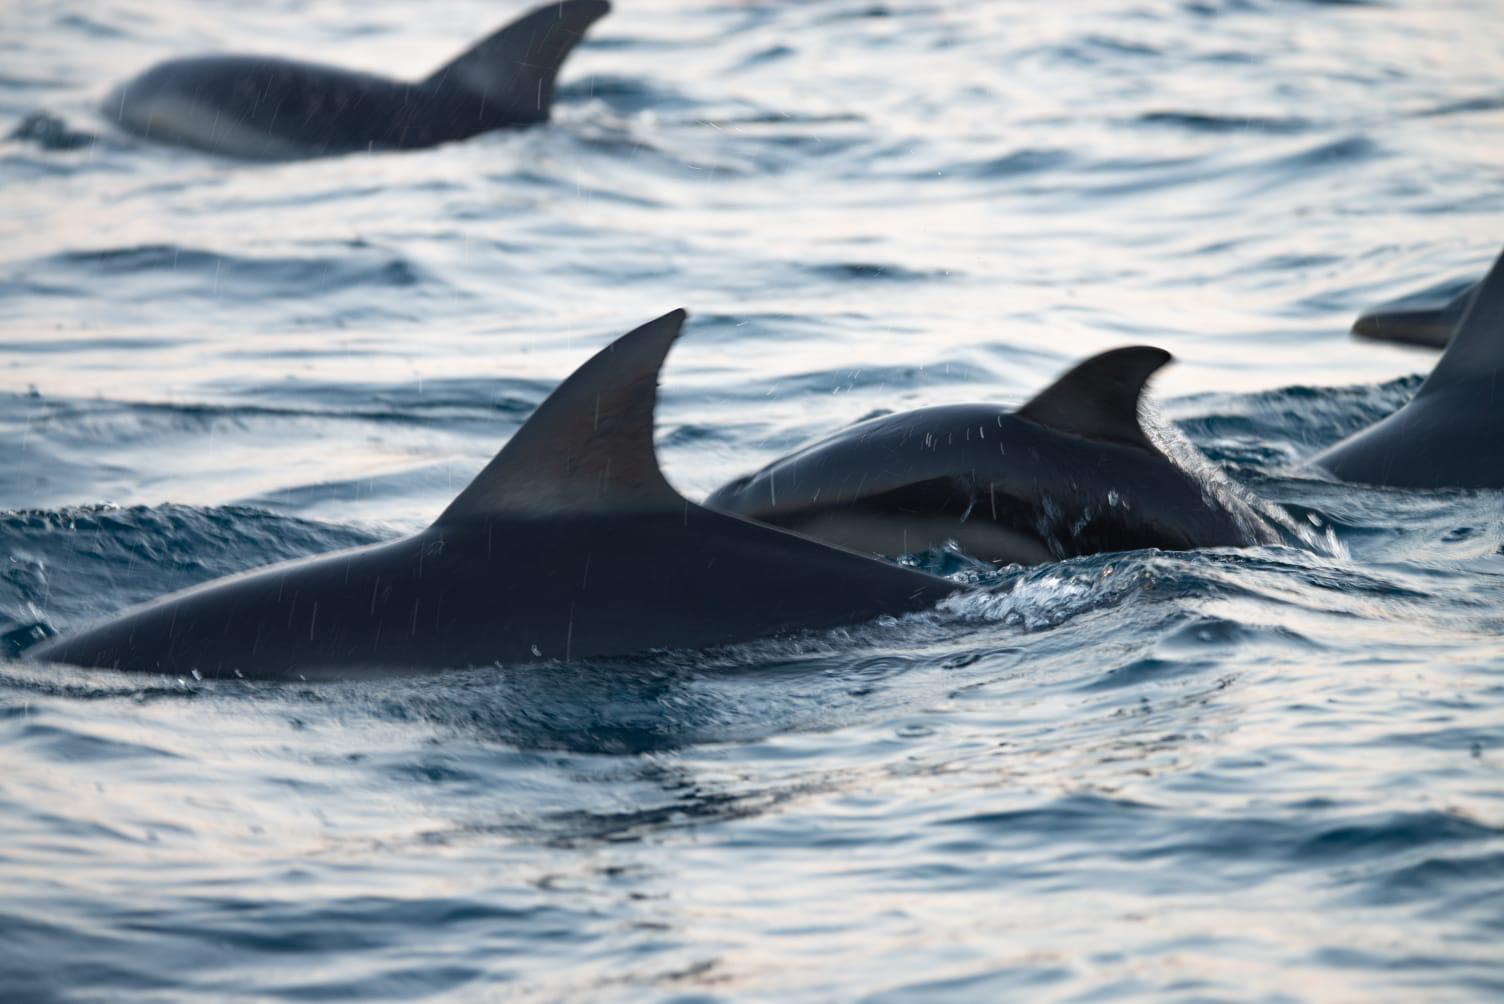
point(1274, 774)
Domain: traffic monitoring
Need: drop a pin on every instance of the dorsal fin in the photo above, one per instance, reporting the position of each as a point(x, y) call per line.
point(1098, 399)
point(589, 446)
point(1477, 347)
point(514, 68)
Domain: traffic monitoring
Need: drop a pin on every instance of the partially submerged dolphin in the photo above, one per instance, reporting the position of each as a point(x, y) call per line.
point(570, 544)
point(1070, 473)
point(266, 108)
point(1426, 319)
point(1451, 433)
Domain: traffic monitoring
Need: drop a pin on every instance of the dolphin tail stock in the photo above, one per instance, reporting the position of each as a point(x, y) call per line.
point(1099, 398)
point(514, 68)
point(1477, 346)
point(589, 446)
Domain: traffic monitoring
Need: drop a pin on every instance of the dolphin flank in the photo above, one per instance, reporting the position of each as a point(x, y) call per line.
point(570, 544)
point(1070, 473)
point(265, 108)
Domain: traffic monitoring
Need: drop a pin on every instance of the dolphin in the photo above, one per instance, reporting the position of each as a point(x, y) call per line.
point(1072, 472)
point(1449, 434)
point(265, 108)
point(1426, 319)
point(570, 544)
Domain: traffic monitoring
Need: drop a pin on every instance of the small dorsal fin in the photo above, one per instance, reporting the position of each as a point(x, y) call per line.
point(514, 68)
point(1098, 399)
point(1477, 346)
point(589, 446)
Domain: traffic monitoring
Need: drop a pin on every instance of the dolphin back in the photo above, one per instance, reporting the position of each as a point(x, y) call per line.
point(569, 544)
point(1071, 473)
point(266, 108)
point(263, 108)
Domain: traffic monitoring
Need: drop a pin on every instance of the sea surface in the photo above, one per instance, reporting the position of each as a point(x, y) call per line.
point(1257, 775)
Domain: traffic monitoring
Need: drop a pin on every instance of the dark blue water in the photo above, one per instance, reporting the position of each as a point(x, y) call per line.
point(1274, 774)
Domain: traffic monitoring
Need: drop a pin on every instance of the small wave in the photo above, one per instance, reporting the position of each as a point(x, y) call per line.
point(1202, 122)
point(1096, 50)
point(186, 271)
point(764, 57)
point(625, 95)
point(1013, 164)
point(845, 379)
point(1337, 153)
point(1393, 833)
point(1436, 878)
point(90, 27)
point(1050, 595)
point(434, 402)
point(1487, 103)
point(51, 133)
point(87, 561)
point(762, 328)
point(869, 272)
point(1291, 421)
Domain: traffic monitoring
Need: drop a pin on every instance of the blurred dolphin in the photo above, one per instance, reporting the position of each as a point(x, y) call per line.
point(1451, 433)
point(570, 544)
point(1426, 319)
point(266, 108)
point(1072, 472)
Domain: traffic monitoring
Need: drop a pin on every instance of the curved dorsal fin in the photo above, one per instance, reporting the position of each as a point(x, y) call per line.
point(589, 446)
point(514, 67)
point(1477, 346)
point(1098, 399)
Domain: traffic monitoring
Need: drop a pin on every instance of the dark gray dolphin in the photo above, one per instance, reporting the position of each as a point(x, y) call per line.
point(1451, 433)
point(1070, 473)
point(1427, 318)
point(570, 544)
point(272, 109)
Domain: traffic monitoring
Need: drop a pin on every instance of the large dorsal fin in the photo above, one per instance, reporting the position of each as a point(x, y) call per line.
point(514, 68)
point(1098, 399)
point(1477, 347)
point(589, 446)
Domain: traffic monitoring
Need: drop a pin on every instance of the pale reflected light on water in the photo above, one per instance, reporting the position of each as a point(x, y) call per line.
point(1270, 774)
